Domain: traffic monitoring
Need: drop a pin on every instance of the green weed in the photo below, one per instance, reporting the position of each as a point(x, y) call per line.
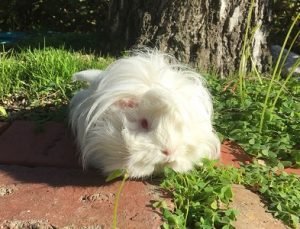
point(264, 115)
point(112, 176)
point(280, 139)
point(280, 190)
point(277, 75)
point(201, 197)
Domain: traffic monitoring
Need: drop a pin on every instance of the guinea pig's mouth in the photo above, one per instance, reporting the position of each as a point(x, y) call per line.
point(168, 161)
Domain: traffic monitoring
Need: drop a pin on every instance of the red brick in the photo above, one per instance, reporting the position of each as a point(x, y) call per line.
point(293, 171)
point(3, 126)
point(22, 144)
point(65, 197)
point(232, 154)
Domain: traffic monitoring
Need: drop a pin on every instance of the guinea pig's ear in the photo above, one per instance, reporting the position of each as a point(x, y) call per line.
point(127, 103)
point(157, 99)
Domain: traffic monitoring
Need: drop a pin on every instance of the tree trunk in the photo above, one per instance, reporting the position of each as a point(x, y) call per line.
point(208, 34)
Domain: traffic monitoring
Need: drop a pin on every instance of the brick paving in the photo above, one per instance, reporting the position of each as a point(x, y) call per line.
point(69, 197)
point(43, 186)
point(29, 144)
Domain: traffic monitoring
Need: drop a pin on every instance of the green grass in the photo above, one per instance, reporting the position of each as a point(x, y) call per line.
point(35, 78)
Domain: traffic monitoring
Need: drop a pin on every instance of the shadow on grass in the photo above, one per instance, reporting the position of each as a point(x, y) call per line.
point(86, 43)
point(39, 114)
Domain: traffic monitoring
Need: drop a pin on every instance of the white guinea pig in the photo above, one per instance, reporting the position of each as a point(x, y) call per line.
point(142, 113)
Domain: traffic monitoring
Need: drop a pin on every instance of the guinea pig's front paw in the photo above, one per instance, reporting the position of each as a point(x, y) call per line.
point(181, 166)
point(140, 171)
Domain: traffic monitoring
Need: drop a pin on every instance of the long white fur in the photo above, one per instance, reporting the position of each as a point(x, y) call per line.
point(171, 97)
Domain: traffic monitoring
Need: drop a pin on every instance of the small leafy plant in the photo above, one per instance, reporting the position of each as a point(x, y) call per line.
point(201, 197)
point(280, 139)
point(280, 190)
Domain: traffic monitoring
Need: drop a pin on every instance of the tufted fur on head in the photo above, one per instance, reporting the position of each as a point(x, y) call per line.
point(142, 113)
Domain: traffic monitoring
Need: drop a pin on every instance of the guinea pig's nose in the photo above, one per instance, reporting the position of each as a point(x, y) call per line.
point(166, 152)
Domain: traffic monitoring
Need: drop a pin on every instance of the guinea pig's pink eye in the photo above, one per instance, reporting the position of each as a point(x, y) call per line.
point(144, 124)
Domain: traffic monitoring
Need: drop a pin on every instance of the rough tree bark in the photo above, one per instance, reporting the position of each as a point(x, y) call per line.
point(206, 33)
